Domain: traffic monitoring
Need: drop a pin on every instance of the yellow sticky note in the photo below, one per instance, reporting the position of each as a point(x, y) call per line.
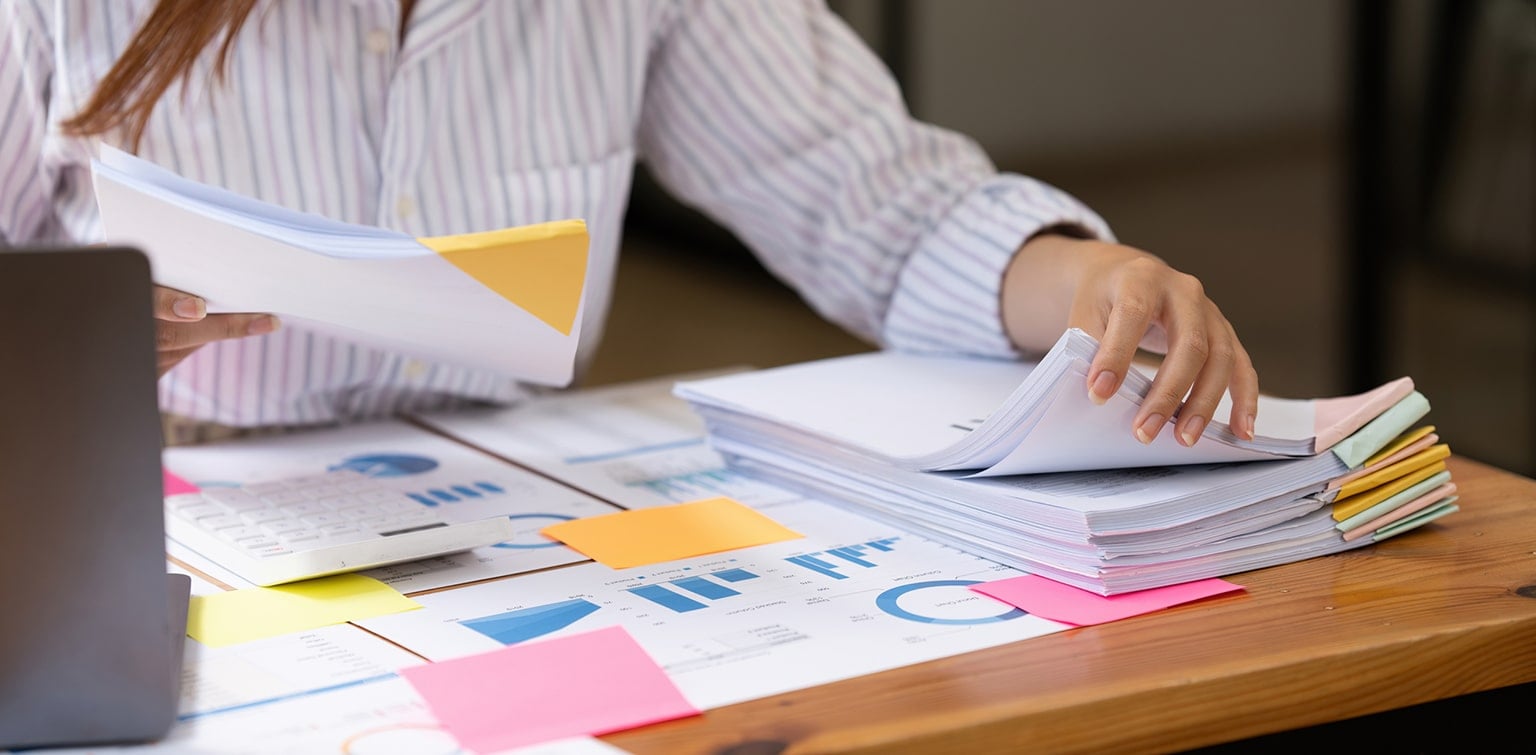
point(541, 268)
point(668, 533)
point(244, 615)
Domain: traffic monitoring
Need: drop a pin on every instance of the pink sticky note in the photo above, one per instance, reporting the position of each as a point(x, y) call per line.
point(174, 485)
point(582, 685)
point(1053, 600)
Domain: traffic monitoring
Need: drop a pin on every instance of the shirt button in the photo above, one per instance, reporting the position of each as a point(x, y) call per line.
point(378, 41)
point(405, 206)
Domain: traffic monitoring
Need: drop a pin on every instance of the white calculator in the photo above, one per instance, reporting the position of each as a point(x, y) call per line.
point(302, 527)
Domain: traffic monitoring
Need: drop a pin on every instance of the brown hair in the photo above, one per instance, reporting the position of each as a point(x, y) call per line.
point(162, 51)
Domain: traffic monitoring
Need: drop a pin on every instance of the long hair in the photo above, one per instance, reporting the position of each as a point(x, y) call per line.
point(162, 52)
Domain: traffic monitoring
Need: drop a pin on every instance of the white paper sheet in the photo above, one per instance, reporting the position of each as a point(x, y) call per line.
point(419, 304)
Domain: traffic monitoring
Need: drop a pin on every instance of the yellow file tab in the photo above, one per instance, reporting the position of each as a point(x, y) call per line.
point(243, 615)
point(1394, 471)
point(667, 533)
point(1348, 507)
point(540, 268)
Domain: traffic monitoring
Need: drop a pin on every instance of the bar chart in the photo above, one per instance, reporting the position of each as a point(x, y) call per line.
point(834, 562)
point(686, 594)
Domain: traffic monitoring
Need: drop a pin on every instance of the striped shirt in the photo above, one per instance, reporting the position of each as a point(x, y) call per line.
point(770, 116)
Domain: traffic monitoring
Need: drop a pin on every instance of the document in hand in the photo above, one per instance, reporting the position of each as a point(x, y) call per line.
point(509, 300)
point(994, 417)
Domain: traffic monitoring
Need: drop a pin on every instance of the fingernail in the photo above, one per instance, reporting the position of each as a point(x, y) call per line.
point(1248, 426)
point(262, 326)
point(189, 307)
point(1148, 428)
point(1192, 428)
point(1103, 387)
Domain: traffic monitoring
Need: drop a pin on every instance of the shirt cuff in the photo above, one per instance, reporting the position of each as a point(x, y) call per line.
point(948, 299)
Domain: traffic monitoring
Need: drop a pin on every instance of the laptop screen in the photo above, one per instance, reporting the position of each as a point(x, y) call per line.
point(87, 644)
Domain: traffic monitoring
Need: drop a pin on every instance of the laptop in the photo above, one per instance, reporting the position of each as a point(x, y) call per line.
point(91, 642)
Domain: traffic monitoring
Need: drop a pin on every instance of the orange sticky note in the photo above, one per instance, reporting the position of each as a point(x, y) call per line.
point(668, 533)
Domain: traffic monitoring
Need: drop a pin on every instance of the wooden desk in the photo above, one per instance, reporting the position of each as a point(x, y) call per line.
point(1443, 611)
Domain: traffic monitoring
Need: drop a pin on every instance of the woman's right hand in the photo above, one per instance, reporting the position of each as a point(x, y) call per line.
point(183, 325)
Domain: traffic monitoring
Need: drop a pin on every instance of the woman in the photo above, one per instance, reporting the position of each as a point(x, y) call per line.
point(448, 116)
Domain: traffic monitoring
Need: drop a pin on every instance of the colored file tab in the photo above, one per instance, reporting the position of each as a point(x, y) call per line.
point(585, 684)
point(1443, 494)
point(541, 268)
point(1348, 507)
point(1401, 444)
point(668, 533)
point(243, 615)
point(1396, 470)
point(1406, 445)
point(1382, 430)
point(1053, 600)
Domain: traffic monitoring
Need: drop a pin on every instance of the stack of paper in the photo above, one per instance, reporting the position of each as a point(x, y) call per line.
point(1010, 460)
point(506, 300)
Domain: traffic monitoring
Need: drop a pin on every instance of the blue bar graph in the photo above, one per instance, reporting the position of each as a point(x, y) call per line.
point(816, 565)
point(704, 588)
point(455, 493)
point(851, 555)
point(665, 598)
point(735, 575)
point(842, 558)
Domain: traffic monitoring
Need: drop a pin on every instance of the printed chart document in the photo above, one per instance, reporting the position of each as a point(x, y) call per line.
point(507, 300)
point(996, 417)
point(853, 597)
point(249, 674)
point(633, 444)
point(458, 481)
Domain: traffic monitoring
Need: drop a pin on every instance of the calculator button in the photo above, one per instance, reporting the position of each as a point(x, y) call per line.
point(284, 526)
point(283, 497)
point(261, 516)
point(275, 549)
point(320, 520)
point(220, 522)
point(194, 513)
point(234, 500)
point(303, 508)
point(237, 534)
point(359, 512)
